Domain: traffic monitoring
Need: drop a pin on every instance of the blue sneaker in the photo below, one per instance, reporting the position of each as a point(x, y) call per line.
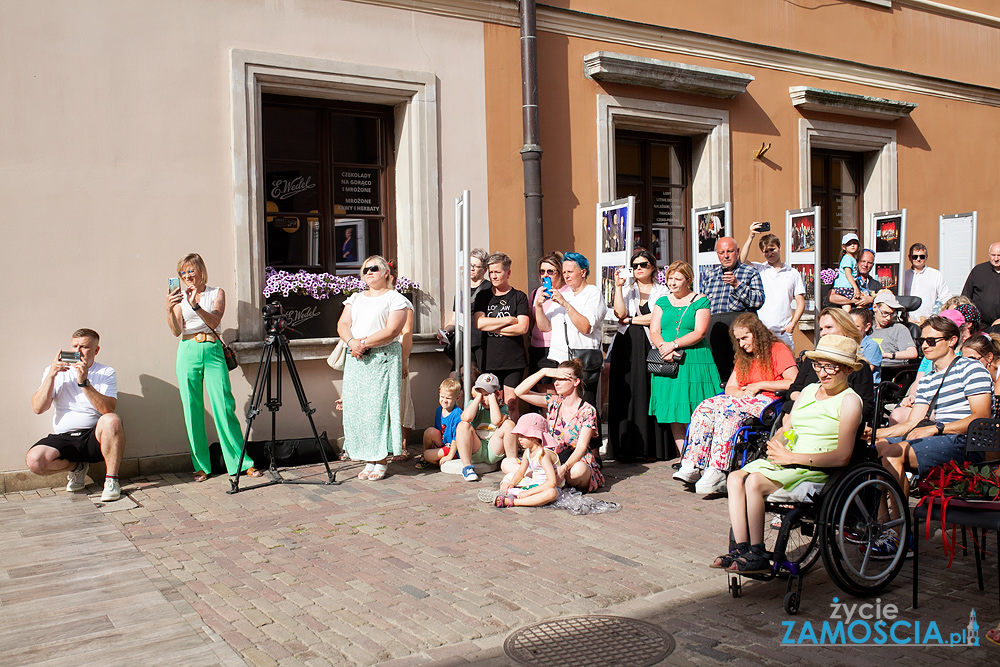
point(885, 546)
point(469, 473)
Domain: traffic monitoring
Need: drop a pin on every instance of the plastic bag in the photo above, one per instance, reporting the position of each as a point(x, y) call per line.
point(575, 502)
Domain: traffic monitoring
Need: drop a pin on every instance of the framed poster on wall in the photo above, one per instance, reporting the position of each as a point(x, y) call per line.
point(349, 242)
point(708, 225)
point(803, 245)
point(957, 242)
point(615, 240)
point(888, 240)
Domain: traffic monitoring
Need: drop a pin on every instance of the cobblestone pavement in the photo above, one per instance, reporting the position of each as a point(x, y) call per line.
point(413, 570)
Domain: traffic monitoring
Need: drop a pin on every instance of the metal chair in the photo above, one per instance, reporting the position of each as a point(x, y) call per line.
point(983, 436)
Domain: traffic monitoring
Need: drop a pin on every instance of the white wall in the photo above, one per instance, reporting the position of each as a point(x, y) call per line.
point(116, 160)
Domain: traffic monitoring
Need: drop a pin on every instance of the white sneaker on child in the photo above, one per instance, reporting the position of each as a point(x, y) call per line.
point(687, 473)
point(713, 481)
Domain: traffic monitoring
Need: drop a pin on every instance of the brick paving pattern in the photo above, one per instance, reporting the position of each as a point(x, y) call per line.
point(413, 570)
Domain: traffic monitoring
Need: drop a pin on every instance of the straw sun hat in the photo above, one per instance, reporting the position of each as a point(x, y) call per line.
point(838, 349)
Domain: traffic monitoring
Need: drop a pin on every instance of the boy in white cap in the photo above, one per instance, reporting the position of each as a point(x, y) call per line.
point(480, 436)
point(893, 338)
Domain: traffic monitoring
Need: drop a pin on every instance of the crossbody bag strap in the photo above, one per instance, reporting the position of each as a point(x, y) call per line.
point(680, 319)
point(930, 406)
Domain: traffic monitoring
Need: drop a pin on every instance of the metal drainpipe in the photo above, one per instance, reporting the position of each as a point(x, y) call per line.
point(531, 152)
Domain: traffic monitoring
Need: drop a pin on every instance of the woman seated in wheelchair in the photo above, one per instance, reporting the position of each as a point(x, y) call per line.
point(823, 429)
point(763, 366)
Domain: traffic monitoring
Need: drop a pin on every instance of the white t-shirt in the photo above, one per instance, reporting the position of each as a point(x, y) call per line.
point(589, 303)
point(370, 313)
point(631, 294)
point(192, 321)
point(74, 411)
point(781, 285)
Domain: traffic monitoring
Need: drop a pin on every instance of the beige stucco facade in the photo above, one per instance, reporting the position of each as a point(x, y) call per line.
point(129, 136)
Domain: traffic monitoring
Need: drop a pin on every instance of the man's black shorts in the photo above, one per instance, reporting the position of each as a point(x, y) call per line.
point(75, 446)
point(509, 378)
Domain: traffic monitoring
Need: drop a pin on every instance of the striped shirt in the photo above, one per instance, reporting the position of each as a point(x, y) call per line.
point(966, 378)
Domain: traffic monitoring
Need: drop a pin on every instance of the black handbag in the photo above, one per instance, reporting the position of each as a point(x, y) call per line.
point(657, 366)
point(592, 360)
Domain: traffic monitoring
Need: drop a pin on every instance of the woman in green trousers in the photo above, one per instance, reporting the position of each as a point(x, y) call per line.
point(193, 312)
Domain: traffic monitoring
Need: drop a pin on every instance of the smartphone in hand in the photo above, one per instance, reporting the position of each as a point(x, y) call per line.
point(547, 284)
point(765, 227)
point(173, 284)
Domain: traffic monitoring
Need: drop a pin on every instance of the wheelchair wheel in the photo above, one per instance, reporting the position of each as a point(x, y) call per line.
point(803, 545)
point(855, 519)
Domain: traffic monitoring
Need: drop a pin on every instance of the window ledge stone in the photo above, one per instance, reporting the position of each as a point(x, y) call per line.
point(320, 348)
point(831, 101)
point(608, 67)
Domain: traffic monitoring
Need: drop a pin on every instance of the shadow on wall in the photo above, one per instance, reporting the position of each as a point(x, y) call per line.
point(154, 420)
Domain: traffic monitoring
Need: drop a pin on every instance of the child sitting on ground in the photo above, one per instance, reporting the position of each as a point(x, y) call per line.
point(535, 482)
point(439, 442)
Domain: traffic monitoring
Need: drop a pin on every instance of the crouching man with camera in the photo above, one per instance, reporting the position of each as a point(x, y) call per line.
point(85, 427)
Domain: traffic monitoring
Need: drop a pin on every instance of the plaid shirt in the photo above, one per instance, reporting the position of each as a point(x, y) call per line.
point(747, 296)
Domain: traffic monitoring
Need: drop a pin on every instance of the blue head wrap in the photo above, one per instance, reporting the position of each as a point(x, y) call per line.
point(578, 259)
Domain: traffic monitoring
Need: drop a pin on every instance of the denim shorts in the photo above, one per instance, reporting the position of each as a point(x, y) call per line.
point(936, 450)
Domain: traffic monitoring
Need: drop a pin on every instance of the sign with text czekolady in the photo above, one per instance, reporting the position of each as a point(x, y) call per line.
point(356, 191)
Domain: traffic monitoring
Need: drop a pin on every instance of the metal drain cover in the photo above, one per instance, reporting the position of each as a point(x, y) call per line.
point(580, 641)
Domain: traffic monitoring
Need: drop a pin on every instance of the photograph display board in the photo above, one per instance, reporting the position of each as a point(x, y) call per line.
point(888, 240)
point(349, 242)
point(957, 243)
point(803, 255)
point(615, 232)
point(708, 225)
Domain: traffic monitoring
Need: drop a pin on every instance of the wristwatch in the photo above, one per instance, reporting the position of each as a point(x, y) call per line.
point(940, 427)
point(84, 383)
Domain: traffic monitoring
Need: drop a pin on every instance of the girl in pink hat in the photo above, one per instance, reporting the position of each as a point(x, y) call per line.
point(534, 483)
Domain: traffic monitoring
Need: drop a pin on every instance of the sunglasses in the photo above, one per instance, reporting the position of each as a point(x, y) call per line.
point(826, 368)
point(640, 265)
point(187, 273)
point(918, 256)
point(547, 272)
point(370, 269)
point(929, 340)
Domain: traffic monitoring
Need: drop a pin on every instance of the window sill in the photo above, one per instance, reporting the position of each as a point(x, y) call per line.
point(320, 348)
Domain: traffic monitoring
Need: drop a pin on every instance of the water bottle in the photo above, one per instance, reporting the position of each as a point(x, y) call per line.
point(788, 438)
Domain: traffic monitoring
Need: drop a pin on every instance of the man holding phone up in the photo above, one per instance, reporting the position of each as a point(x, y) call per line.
point(782, 285)
point(732, 288)
point(85, 427)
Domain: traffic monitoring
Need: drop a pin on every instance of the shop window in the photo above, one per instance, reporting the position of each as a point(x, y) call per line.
point(837, 189)
point(656, 170)
point(327, 183)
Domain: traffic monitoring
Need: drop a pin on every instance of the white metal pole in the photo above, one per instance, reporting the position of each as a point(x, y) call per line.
point(467, 294)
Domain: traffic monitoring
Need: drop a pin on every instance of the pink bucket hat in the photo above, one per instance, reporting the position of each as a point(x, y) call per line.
point(953, 315)
point(533, 425)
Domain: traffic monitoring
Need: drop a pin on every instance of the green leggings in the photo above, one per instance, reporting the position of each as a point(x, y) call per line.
point(200, 367)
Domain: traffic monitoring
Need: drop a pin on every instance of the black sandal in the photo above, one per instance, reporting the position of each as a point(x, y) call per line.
point(753, 561)
point(725, 561)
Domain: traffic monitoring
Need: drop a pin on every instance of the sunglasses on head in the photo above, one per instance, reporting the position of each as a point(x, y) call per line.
point(640, 265)
point(370, 269)
point(918, 256)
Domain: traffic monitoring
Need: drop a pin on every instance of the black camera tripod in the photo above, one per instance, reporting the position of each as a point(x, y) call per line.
point(276, 347)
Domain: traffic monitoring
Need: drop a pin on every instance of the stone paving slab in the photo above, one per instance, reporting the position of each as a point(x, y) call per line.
point(413, 570)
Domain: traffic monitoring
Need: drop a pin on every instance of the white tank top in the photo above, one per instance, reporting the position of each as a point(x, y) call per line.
point(192, 321)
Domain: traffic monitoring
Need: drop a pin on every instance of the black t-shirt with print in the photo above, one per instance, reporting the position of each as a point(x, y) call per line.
point(502, 352)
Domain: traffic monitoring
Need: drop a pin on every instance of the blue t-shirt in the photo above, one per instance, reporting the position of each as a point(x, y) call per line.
point(846, 262)
point(873, 353)
point(447, 425)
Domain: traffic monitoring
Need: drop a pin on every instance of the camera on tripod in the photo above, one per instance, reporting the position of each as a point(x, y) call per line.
point(274, 315)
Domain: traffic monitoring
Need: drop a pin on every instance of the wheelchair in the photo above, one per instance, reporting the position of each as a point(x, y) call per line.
point(840, 522)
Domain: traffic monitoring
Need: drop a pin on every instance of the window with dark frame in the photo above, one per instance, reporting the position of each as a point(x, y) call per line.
point(656, 169)
point(327, 183)
point(836, 188)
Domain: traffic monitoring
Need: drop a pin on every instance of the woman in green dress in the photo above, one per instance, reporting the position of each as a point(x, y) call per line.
point(680, 322)
point(823, 429)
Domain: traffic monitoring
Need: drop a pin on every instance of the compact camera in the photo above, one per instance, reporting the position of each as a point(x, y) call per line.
point(69, 357)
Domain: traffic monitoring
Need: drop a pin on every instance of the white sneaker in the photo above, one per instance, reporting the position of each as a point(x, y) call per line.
point(77, 478)
point(112, 490)
point(713, 481)
point(687, 472)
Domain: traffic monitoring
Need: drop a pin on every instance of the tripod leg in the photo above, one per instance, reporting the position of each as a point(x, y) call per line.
point(256, 398)
point(293, 373)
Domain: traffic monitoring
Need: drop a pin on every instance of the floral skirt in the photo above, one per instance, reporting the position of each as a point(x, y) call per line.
point(372, 426)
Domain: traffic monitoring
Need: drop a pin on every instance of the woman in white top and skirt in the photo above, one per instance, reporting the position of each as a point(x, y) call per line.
point(371, 325)
point(193, 312)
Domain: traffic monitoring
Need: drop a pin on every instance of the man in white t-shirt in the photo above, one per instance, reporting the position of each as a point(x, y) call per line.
point(85, 428)
point(782, 286)
point(925, 282)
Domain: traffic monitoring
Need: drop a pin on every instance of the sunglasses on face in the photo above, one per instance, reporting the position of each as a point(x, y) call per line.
point(547, 272)
point(831, 369)
point(918, 256)
point(932, 341)
point(640, 265)
point(370, 269)
point(187, 273)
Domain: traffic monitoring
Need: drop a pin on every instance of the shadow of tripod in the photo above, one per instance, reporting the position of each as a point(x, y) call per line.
point(276, 348)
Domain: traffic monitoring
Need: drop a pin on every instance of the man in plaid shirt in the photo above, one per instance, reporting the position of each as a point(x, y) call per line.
point(732, 288)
